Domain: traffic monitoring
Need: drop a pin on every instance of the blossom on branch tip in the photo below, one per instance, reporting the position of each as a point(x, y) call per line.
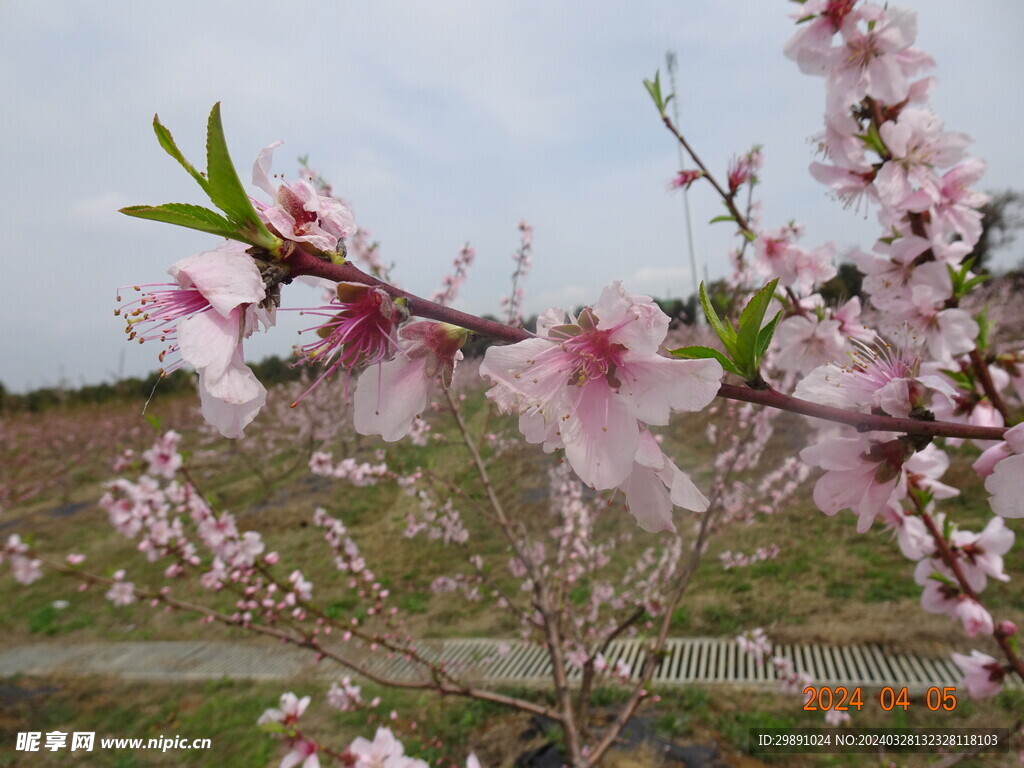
point(217, 302)
point(299, 213)
point(288, 711)
point(983, 675)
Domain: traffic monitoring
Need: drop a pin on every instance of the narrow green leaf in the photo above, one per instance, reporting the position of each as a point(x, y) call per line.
point(167, 142)
point(726, 334)
point(654, 89)
point(749, 328)
point(758, 305)
point(983, 329)
point(703, 353)
point(725, 217)
point(189, 216)
point(226, 190)
point(764, 336)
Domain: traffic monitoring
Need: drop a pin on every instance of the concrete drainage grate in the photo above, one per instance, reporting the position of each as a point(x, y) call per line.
point(686, 661)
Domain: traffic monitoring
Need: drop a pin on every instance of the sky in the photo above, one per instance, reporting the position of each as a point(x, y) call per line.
point(440, 123)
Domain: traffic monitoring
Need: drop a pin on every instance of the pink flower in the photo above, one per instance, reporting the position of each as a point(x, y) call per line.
point(298, 212)
point(590, 385)
point(655, 485)
point(205, 317)
point(1006, 482)
point(878, 377)
point(121, 593)
point(918, 145)
point(859, 474)
point(360, 330)
point(289, 710)
point(835, 718)
point(163, 457)
point(684, 179)
point(983, 675)
point(304, 752)
point(385, 751)
point(981, 554)
point(805, 342)
point(390, 396)
point(877, 61)
point(974, 617)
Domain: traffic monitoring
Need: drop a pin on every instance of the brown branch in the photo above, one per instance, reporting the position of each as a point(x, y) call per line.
point(950, 559)
point(311, 644)
point(727, 198)
point(863, 422)
point(985, 376)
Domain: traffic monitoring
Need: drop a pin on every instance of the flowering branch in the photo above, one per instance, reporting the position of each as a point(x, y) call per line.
point(304, 264)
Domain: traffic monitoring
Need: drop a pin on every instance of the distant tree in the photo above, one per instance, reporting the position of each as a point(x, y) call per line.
point(1003, 218)
point(844, 286)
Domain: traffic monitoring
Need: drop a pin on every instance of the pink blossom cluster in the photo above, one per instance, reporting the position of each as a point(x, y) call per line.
point(786, 675)
point(453, 282)
point(739, 560)
point(523, 258)
point(359, 474)
point(24, 568)
point(929, 215)
point(755, 643)
point(438, 522)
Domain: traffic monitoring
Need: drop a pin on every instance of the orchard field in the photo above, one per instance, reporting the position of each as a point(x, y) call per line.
point(827, 584)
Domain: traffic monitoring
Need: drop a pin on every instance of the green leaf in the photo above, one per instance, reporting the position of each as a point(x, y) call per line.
point(654, 89)
point(704, 353)
point(167, 142)
point(225, 188)
point(184, 215)
point(725, 217)
point(764, 336)
point(984, 326)
point(751, 236)
point(726, 334)
point(758, 305)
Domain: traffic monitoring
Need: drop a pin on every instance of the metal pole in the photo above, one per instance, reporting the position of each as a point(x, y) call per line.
point(670, 60)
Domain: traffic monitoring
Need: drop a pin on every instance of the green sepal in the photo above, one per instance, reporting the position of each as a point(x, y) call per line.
point(748, 333)
point(704, 353)
point(185, 215)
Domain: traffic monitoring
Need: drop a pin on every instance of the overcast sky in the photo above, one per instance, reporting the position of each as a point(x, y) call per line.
point(440, 122)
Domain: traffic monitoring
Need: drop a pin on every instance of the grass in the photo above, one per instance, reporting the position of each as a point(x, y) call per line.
point(828, 584)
